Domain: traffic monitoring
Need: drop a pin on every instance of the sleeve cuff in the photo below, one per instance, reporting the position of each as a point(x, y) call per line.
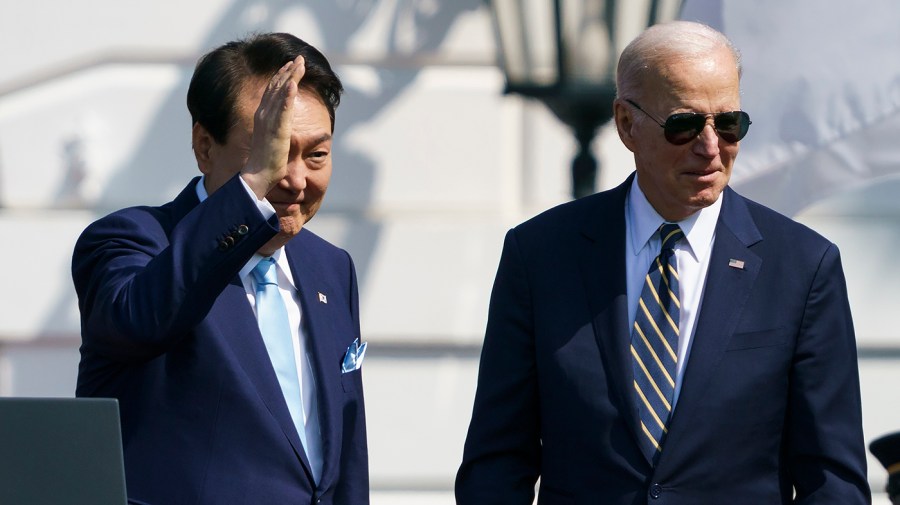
point(265, 208)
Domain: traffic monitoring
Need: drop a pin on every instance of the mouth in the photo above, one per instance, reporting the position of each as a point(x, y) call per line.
point(703, 174)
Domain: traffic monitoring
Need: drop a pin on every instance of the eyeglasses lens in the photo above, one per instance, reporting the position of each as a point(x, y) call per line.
point(682, 128)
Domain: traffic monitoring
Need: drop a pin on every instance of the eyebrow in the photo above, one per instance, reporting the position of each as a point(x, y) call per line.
point(325, 137)
point(321, 138)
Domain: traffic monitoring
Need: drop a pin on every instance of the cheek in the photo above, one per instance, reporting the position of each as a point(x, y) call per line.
point(653, 161)
point(229, 161)
point(321, 178)
point(729, 154)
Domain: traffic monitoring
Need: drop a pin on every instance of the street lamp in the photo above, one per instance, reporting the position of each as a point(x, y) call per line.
point(564, 53)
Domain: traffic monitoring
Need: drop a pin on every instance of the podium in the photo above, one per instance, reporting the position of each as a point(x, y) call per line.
point(61, 451)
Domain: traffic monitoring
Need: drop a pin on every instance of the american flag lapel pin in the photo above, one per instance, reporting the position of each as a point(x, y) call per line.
point(322, 298)
point(733, 263)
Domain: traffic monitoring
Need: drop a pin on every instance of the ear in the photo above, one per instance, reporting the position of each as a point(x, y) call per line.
point(202, 143)
point(624, 117)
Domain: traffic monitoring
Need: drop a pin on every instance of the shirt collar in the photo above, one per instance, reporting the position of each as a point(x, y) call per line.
point(201, 189)
point(699, 228)
point(280, 260)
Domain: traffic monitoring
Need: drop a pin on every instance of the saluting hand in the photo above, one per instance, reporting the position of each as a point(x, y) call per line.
point(271, 140)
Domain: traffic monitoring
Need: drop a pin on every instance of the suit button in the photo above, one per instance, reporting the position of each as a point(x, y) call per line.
point(655, 491)
point(242, 229)
point(225, 243)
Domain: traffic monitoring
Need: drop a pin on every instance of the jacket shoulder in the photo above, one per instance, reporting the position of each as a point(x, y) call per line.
point(579, 213)
point(775, 226)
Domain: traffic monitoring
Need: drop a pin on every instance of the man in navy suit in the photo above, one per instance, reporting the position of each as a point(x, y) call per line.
point(169, 301)
point(755, 392)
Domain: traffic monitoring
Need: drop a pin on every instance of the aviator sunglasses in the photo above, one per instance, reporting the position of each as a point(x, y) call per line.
point(684, 127)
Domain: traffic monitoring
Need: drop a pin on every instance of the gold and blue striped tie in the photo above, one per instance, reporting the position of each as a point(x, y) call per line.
point(654, 343)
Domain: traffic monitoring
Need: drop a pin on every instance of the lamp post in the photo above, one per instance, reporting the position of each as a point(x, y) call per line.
point(564, 53)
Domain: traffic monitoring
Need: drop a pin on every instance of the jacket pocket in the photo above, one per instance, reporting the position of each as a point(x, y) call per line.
point(350, 380)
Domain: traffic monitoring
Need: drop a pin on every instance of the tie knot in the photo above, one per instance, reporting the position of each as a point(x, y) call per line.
point(669, 234)
point(264, 272)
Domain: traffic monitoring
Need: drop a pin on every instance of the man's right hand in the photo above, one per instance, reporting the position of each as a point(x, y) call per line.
point(271, 140)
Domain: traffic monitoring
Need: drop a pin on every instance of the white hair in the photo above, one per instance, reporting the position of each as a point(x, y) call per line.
point(662, 43)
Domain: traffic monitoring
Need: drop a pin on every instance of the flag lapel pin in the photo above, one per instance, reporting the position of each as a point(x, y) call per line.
point(733, 263)
point(322, 298)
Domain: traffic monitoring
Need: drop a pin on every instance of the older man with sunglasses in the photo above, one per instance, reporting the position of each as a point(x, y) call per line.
point(668, 341)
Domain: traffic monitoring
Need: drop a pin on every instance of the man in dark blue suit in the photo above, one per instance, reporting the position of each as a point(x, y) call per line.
point(217, 407)
point(630, 361)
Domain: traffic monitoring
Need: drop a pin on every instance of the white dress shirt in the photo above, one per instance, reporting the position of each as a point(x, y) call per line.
point(290, 295)
point(642, 245)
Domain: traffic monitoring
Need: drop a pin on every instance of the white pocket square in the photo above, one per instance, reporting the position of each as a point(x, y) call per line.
point(353, 358)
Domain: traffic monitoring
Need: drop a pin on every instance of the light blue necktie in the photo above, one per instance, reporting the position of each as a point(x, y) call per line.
point(654, 343)
point(275, 327)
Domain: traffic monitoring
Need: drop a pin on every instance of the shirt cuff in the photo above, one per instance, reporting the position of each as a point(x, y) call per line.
point(265, 208)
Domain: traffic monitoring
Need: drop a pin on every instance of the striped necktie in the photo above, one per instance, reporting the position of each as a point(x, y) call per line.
point(654, 343)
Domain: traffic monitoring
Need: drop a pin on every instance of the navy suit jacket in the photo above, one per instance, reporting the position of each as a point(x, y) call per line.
point(167, 329)
point(769, 404)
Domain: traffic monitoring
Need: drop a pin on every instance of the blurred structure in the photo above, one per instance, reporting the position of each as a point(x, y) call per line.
point(564, 53)
point(432, 165)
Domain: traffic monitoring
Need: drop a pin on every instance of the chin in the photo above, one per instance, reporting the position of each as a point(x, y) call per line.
point(705, 199)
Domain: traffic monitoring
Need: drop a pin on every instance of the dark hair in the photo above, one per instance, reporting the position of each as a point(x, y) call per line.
point(220, 75)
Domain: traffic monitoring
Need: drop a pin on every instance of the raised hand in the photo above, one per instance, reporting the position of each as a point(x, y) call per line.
point(271, 140)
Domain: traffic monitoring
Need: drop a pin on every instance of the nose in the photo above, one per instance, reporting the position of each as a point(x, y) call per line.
point(707, 143)
point(295, 179)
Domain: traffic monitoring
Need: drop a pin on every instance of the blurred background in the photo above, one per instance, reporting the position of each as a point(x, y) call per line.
point(432, 164)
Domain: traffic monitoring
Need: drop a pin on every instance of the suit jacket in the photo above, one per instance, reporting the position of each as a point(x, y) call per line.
point(769, 405)
point(167, 329)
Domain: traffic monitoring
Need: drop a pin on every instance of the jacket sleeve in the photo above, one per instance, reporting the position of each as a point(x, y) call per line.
point(144, 277)
point(501, 459)
point(824, 440)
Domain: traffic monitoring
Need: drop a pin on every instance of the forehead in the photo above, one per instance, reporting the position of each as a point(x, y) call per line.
point(310, 109)
point(708, 82)
point(250, 94)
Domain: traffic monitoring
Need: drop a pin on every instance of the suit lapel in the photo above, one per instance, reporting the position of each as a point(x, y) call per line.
point(726, 291)
point(242, 333)
point(321, 345)
point(602, 263)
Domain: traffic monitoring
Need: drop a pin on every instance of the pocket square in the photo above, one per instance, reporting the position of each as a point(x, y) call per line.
point(353, 358)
